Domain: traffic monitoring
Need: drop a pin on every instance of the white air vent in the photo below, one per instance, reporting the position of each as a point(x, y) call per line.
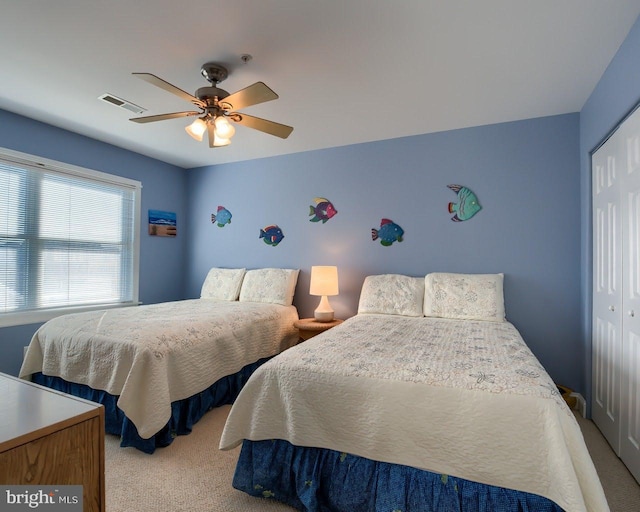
point(119, 102)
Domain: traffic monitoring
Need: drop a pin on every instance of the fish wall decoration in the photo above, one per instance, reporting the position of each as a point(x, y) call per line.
point(322, 211)
point(221, 217)
point(388, 232)
point(271, 235)
point(467, 205)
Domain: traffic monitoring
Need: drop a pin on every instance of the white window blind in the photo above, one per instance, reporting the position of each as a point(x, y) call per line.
point(69, 239)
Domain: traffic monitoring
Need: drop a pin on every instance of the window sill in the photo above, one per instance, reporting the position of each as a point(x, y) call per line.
point(41, 316)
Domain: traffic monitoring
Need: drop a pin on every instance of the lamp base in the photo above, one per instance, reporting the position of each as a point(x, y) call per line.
point(323, 316)
point(324, 312)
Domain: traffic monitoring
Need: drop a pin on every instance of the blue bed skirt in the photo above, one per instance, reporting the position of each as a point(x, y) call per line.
point(316, 480)
point(184, 413)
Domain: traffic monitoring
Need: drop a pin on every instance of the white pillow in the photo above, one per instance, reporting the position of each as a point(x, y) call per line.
point(464, 296)
point(222, 283)
point(392, 294)
point(273, 285)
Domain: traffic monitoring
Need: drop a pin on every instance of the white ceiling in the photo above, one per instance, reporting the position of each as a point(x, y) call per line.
point(346, 71)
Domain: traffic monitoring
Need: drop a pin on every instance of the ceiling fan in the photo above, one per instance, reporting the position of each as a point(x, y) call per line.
point(216, 106)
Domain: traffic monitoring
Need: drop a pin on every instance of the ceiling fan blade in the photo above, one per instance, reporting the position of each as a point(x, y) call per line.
point(162, 117)
point(252, 95)
point(270, 127)
point(159, 82)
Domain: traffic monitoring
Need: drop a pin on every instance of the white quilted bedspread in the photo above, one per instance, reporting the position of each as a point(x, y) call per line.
point(155, 354)
point(458, 397)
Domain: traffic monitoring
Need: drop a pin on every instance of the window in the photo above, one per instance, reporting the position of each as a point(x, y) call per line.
point(69, 239)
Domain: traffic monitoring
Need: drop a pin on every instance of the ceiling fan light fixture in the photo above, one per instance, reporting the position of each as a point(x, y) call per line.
point(224, 129)
point(218, 142)
point(197, 129)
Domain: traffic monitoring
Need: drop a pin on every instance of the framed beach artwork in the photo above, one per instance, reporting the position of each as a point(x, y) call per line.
point(162, 223)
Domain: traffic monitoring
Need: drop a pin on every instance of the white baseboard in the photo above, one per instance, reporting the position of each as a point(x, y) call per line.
point(581, 404)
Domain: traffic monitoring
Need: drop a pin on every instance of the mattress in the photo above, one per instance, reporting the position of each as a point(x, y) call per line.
point(456, 397)
point(151, 356)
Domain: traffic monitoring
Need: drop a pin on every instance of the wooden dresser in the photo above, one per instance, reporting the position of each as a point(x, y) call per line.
point(50, 438)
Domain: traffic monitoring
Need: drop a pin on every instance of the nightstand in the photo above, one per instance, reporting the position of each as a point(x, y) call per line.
point(309, 327)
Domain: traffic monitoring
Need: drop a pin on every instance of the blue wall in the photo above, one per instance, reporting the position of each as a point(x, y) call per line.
point(613, 98)
point(532, 177)
point(164, 188)
point(526, 175)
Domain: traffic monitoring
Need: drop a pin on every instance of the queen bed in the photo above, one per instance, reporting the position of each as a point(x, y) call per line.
point(158, 368)
point(393, 410)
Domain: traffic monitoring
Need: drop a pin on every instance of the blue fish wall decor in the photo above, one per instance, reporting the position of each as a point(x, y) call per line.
point(271, 235)
point(322, 211)
point(467, 205)
point(388, 232)
point(221, 217)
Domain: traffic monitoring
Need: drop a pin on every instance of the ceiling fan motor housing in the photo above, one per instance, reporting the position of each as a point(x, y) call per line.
point(210, 94)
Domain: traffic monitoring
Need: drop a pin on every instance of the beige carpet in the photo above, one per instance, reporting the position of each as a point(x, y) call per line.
point(621, 489)
point(190, 474)
point(193, 475)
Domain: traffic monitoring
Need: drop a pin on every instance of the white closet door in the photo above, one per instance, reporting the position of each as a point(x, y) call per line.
point(630, 392)
point(607, 291)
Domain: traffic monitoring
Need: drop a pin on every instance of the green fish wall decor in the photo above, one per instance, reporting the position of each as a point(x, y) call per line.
point(467, 205)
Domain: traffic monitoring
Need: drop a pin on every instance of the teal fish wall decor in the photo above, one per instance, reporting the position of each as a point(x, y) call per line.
point(271, 235)
point(322, 211)
point(467, 205)
point(221, 217)
point(388, 233)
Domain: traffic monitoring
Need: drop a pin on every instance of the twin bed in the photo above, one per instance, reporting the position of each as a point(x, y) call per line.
point(427, 399)
point(159, 368)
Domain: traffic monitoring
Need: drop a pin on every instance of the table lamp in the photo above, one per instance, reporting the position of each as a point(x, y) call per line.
point(324, 282)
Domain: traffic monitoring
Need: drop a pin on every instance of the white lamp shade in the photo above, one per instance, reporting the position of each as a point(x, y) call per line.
point(224, 129)
point(218, 142)
point(324, 281)
point(197, 129)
